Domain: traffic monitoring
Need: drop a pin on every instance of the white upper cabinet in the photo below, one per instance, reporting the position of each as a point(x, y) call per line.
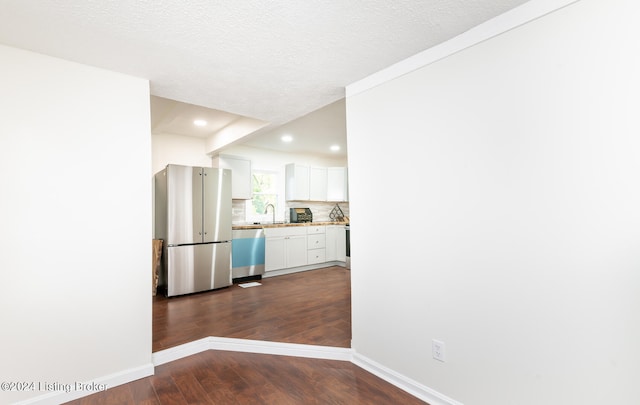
point(304, 183)
point(240, 175)
point(296, 182)
point(318, 184)
point(337, 184)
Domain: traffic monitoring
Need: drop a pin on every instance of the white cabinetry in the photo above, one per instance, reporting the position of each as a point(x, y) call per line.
point(285, 247)
point(290, 249)
point(318, 184)
point(336, 243)
point(304, 183)
point(316, 242)
point(337, 184)
point(296, 182)
point(240, 175)
point(274, 253)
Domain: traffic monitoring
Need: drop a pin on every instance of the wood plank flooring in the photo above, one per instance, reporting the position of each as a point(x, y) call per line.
point(311, 307)
point(220, 377)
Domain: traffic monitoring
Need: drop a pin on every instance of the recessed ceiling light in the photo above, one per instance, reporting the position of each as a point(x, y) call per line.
point(200, 123)
point(287, 138)
point(335, 148)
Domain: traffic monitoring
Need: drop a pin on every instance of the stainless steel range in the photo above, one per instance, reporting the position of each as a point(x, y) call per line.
point(347, 229)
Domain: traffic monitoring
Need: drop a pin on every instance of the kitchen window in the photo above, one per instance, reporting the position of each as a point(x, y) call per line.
point(265, 191)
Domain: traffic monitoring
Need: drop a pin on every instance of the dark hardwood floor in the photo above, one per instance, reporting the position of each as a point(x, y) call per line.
point(311, 307)
point(220, 377)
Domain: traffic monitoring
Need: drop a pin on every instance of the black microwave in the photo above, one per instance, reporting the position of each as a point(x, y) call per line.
point(297, 215)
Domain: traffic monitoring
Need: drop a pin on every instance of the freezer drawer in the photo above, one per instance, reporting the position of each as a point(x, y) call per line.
point(195, 268)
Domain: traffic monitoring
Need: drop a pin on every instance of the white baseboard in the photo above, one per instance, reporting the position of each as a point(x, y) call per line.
point(309, 351)
point(406, 384)
point(252, 346)
point(281, 349)
point(307, 267)
point(109, 381)
point(178, 352)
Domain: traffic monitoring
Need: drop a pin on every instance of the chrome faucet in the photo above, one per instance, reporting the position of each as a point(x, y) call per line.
point(273, 209)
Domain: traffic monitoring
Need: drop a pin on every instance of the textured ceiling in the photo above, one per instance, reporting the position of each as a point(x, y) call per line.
point(269, 60)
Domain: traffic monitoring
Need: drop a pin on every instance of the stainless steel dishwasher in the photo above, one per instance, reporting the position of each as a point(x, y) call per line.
point(247, 253)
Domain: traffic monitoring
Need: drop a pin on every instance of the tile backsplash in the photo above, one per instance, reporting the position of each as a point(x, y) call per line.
point(238, 211)
point(320, 210)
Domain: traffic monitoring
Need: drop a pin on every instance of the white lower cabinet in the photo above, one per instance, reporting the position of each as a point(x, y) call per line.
point(336, 243)
point(296, 246)
point(341, 243)
point(285, 247)
point(316, 256)
point(294, 251)
point(316, 242)
point(274, 253)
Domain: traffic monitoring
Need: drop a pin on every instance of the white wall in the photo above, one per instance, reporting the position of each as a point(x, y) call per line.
point(191, 151)
point(75, 221)
point(178, 150)
point(520, 158)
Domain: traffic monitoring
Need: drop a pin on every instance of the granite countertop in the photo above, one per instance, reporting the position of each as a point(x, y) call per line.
point(282, 224)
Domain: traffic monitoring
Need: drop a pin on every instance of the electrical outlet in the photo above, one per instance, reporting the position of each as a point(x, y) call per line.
point(437, 350)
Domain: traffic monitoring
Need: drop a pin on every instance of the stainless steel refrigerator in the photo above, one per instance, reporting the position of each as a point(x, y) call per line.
point(193, 217)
